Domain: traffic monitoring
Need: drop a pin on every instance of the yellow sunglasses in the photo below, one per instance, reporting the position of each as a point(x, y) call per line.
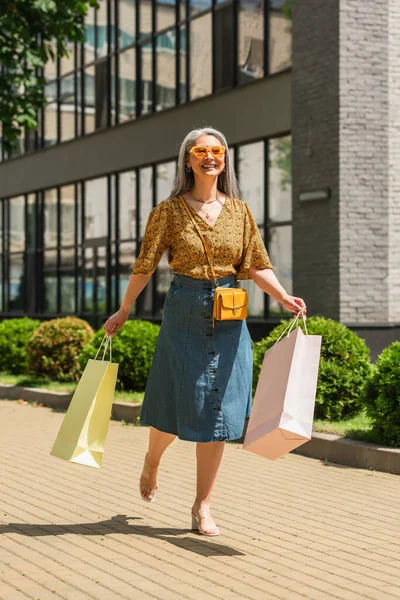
point(202, 151)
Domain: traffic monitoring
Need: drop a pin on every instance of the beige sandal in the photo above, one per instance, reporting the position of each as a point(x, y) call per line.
point(148, 474)
point(199, 524)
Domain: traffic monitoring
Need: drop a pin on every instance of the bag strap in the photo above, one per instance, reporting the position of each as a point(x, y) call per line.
point(202, 237)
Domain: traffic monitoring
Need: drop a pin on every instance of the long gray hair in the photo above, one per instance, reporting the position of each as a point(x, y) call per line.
point(227, 182)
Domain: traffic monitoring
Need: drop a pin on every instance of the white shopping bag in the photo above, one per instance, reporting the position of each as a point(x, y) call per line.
point(283, 407)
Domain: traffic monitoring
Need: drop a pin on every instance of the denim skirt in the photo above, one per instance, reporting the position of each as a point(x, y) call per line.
point(199, 385)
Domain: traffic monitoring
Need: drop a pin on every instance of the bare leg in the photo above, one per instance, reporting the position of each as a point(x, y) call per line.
point(209, 456)
point(158, 443)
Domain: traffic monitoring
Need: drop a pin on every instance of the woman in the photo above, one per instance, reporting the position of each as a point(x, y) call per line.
point(199, 386)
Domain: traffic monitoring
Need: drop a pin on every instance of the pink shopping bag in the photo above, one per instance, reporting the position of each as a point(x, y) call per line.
point(283, 407)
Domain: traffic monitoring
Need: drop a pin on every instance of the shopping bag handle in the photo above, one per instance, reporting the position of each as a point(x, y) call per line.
point(108, 342)
point(292, 323)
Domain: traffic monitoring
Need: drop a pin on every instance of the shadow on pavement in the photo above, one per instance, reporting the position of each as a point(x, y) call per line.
point(120, 524)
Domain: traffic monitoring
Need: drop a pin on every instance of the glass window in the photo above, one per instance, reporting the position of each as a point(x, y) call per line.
point(113, 91)
point(127, 254)
point(96, 208)
point(280, 179)
point(127, 85)
point(165, 13)
point(17, 224)
point(280, 251)
point(67, 107)
point(196, 6)
point(165, 177)
point(166, 70)
point(224, 46)
point(147, 79)
point(50, 68)
point(90, 99)
point(182, 9)
point(67, 275)
point(127, 205)
point(50, 91)
point(251, 40)
point(50, 281)
point(101, 30)
point(146, 17)
point(50, 218)
point(182, 65)
point(127, 23)
point(16, 293)
point(102, 99)
point(67, 63)
point(251, 178)
point(146, 196)
point(31, 235)
point(89, 45)
point(67, 233)
point(50, 125)
point(201, 57)
point(280, 28)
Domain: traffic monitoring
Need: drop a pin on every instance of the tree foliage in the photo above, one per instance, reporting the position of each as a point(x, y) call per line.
point(32, 32)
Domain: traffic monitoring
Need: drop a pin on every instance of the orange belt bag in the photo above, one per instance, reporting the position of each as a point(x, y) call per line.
point(230, 304)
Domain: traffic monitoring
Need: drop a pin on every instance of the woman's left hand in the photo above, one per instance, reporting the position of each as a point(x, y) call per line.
point(295, 305)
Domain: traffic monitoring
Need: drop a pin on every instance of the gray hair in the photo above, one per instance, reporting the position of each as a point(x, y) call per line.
point(227, 182)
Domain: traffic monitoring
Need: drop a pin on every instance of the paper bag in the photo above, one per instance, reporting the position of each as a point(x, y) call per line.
point(283, 407)
point(83, 432)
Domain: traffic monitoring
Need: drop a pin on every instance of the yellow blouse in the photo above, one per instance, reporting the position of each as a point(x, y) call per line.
point(234, 241)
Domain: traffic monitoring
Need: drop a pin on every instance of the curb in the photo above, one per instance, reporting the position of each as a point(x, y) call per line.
point(323, 446)
point(121, 411)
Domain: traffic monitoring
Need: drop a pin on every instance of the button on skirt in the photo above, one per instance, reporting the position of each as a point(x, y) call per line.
point(200, 382)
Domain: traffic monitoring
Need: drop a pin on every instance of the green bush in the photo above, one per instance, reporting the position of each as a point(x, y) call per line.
point(54, 348)
point(344, 366)
point(133, 348)
point(381, 395)
point(14, 333)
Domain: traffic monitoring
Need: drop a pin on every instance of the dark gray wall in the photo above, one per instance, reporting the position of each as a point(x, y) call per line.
point(246, 113)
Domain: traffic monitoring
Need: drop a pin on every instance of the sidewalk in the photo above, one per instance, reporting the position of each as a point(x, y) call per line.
point(295, 528)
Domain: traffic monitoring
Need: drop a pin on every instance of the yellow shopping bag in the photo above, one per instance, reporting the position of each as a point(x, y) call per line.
point(83, 432)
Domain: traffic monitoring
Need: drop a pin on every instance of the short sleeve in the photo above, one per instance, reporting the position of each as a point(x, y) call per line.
point(155, 241)
point(254, 254)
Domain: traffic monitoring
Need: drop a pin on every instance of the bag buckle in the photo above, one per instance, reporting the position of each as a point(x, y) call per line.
point(235, 310)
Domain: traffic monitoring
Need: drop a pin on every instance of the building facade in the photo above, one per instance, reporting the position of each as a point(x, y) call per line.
point(76, 193)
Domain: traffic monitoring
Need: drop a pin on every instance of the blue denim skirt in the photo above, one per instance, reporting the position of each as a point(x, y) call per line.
point(200, 382)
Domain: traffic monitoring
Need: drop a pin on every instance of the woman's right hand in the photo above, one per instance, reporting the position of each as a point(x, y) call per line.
point(115, 322)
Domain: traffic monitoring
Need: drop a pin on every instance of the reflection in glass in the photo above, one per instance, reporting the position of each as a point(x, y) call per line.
point(280, 179)
point(127, 85)
point(50, 236)
point(50, 91)
point(165, 14)
point(67, 233)
point(127, 254)
point(16, 293)
point(31, 222)
point(280, 42)
point(196, 6)
point(166, 70)
point(146, 16)
point(67, 108)
point(146, 89)
point(96, 208)
point(182, 65)
point(50, 281)
point(201, 57)
point(67, 63)
point(89, 45)
point(67, 274)
point(146, 196)
point(101, 30)
point(280, 251)
point(165, 177)
point(127, 205)
point(127, 23)
point(251, 177)
point(224, 47)
point(50, 125)
point(90, 99)
point(251, 40)
point(17, 224)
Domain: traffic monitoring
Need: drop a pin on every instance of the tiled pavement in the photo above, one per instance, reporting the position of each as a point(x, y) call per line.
point(295, 528)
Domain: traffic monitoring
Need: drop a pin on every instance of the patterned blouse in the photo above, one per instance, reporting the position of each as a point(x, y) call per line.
point(234, 241)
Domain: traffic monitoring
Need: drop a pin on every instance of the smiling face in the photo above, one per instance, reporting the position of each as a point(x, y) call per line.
point(209, 165)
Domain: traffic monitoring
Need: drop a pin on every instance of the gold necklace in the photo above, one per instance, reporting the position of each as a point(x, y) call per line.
point(207, 214)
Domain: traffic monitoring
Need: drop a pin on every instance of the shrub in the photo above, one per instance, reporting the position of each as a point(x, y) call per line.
point(54, 348)
point(14, 333)
point(344, 366)
point(381, 395)
point(133, 348)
